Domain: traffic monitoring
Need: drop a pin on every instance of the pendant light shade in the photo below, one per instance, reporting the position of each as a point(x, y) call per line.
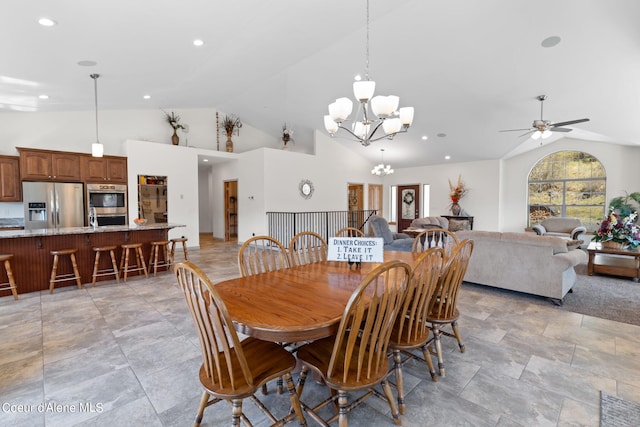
point(97, 149)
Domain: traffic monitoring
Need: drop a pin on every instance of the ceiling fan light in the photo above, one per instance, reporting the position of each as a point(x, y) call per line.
point(536, 135)
point(330, 125)
point(546, 134)
point(363, 90)
point(406, 116)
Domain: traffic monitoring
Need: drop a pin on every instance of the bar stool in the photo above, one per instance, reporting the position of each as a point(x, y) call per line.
point(11, 284)
point(139, 258)
point(175, 241)
point(106, 271)
point(55, 277)
point(153, 256)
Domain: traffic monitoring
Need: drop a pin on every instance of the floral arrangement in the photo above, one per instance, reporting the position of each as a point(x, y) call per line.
point(230, 123)
point(287, 133)
point(457, 192)
point(616, 228)
point(174, 120)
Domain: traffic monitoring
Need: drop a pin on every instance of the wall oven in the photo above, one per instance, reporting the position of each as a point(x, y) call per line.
point(110, 203)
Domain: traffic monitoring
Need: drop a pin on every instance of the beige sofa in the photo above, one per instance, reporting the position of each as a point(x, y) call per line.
point(523, 262)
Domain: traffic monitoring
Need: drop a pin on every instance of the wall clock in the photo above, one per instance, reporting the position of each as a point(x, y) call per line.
point(306, 188)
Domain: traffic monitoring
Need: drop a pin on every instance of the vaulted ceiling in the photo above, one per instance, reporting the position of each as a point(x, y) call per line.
point(470, 68)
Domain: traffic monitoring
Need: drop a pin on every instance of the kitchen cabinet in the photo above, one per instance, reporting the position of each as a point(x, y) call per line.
point(45, 165)
point(10, 189)
point(104, 169)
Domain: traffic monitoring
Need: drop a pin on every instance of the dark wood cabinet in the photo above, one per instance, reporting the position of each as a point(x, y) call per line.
point(104, 169)
point(44, 165)
point(10, 188)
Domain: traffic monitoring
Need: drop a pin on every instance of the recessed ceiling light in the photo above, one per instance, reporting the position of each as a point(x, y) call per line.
point(442, 135)
point(43, 96)
point(205, 160)
point(87, 63)
point(551, 41)
point(198, 42)
point(447, 157)
point(147, 97)
point(47, 22)
point(425, 137)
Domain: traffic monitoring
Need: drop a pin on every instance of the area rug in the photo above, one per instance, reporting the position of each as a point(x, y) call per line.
point(616, 412)
point(606, 297)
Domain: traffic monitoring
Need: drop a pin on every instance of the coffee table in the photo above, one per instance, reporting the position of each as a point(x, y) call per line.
point(617, 262)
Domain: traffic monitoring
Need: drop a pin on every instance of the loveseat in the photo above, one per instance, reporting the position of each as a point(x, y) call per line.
point(439, 221)
point(379, 227)
point(569, 228)
point(523, 262)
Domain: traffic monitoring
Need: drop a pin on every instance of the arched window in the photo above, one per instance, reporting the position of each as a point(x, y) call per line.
point(568, 184)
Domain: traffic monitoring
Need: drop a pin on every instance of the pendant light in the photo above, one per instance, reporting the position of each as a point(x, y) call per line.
point(97, 149)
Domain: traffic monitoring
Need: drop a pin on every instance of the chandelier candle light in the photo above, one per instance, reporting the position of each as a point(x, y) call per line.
point(381, 169)
point(384, 108)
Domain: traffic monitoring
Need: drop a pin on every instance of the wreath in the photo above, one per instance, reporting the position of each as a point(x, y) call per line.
point(408, 198)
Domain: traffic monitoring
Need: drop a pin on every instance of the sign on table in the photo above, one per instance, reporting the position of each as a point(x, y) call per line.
point(356, 249)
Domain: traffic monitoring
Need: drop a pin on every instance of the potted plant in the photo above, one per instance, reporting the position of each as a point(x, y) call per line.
point(230, 123)
point(623, 204)
point(174, 121)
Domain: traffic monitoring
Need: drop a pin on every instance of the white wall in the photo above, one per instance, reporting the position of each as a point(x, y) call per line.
point(482, 179)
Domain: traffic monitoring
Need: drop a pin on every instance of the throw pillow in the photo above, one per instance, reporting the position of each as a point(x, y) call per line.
point(457, 225)
point(573, 244)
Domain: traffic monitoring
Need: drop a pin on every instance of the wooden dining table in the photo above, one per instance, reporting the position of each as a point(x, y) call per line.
point(296, 304)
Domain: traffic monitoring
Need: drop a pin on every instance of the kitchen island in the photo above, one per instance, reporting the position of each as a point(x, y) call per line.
point(32, 261)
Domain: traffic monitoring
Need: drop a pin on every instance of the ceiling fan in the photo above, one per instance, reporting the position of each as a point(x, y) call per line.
point(544, 128)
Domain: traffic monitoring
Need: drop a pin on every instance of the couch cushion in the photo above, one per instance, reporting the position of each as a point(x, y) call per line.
point(457, 225)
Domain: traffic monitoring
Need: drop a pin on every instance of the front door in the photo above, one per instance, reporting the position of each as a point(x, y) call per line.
point(356, 204)
point(408, 205)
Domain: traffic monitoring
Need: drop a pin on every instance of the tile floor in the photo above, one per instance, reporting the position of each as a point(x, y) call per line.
point(127, 354)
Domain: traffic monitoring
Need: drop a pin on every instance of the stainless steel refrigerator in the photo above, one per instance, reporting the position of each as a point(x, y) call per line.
point(52, 205)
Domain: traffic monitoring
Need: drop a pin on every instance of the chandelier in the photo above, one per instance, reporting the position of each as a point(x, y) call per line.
point(97, 149)
point(381, 169)
point(365, 126)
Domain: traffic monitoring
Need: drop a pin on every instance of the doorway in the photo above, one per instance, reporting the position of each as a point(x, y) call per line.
point(408, 206)
point(231, 210)
point(356, 205)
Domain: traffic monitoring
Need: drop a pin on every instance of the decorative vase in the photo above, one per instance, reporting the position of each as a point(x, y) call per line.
point(175, 139)
point(455, 209)
point(229, 144)
point(610, 244)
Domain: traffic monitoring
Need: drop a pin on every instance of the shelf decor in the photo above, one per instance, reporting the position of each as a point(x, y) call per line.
point(174, 121)
point(231, 123)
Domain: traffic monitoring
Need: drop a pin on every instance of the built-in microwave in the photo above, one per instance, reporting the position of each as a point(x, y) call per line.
point(109, 202)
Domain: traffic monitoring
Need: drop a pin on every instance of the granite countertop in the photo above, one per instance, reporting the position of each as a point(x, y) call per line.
point(8, 234)
point(11, 222)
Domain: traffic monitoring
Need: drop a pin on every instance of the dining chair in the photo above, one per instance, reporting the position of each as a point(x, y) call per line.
point(232, 370)
point(435, 237)
point(350, 232)
point(355, 359)
point(410, 331)
point(260, 254)
point(442, 307)
point(307, 247)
